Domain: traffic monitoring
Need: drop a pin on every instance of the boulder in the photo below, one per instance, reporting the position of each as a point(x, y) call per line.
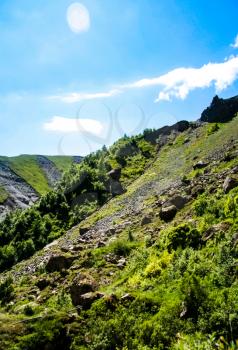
point(81, 287)
point(221, 110)
point(42, 283)
point(115, 174)
point(200, 165)
point(229, 184)
point(83, 230)
point(121, 263)
point(146, 220)
point(115, 187)
point(58, 263)
point(127, 298)
point(86, 300)
point(168, 213)
point(179, 201)
point(197, 190)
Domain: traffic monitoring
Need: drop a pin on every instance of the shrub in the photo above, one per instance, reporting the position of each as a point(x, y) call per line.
point(212, 129)
point(183, 236)
point(6, 290)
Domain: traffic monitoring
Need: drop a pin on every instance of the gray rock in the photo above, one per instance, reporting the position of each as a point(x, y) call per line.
point(121, 263)
point(200, 165)
point(81, 287)
point(179, 201)
point(115, 187)
point(146, 220)
point(229, 184)
point(86, 300)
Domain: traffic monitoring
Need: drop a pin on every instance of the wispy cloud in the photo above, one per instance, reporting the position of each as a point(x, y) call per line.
point(235, 44)
point(177, 83)
point(70, 125)
point(81, 96)
point(180, 82)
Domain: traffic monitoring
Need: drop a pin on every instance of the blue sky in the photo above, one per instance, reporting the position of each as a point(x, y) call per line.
point(77, 75)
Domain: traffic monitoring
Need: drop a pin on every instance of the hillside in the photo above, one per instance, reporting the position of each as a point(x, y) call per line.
point(136, 248)
point(24, 178)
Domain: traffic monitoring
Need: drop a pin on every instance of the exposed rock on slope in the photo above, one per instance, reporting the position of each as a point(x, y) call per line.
point(221, 110)
point(20, 192)
point(51, 172)
point(21, 195)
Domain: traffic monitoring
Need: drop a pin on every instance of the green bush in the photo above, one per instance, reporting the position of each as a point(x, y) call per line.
point(6, 290)
point(183, 236)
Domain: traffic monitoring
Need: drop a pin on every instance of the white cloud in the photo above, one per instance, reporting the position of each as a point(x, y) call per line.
point(81, 96)
point(70, 125)
point(235, 44)
point(180, 82)
point(78, 18)
point(177, 83)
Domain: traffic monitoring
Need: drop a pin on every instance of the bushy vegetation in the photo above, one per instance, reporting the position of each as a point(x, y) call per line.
point(3, 194)
point(81, 191)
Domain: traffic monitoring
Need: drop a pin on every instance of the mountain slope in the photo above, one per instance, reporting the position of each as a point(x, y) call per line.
point(152, 268)
point(24, 178)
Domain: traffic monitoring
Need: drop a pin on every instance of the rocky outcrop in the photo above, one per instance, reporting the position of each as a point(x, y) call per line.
point(221, 110)
point(83, 292)
point(167, 130)
point(58, 263)
point(114, 184)
point(229, 184)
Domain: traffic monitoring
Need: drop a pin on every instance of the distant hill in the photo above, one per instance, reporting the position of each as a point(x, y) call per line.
point(24, 178)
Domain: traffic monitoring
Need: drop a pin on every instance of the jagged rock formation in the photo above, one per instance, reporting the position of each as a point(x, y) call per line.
point(221, 110)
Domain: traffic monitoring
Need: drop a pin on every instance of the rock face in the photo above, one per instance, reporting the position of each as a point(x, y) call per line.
point(229, 184)
point(221, 110)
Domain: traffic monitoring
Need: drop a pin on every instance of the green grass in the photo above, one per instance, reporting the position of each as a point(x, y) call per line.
point(62, 163)
point(26, 166)
point(3, 194)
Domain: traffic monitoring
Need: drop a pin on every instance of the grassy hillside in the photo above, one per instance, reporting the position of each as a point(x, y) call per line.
point(3, 194)
point(62, 163)
point(27, 168)
point(152, 268)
